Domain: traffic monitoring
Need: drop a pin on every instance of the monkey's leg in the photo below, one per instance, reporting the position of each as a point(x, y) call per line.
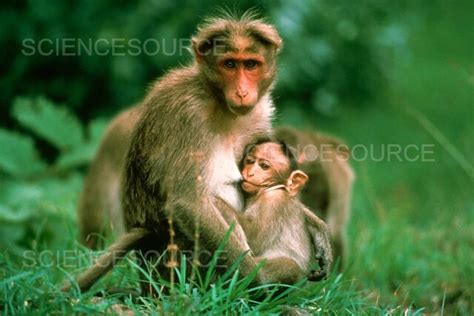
point(107, 261)
point(232, 216)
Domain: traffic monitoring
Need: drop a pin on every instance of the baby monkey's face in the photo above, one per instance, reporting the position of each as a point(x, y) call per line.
point(264, 165)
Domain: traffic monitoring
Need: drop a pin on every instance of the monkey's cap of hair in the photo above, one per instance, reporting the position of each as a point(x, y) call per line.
point(286, 149)
point(228, 24)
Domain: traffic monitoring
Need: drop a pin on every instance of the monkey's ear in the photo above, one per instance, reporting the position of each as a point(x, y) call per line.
point(267, 34)
point(296, 181)
point(205, 41)
point(198, 50)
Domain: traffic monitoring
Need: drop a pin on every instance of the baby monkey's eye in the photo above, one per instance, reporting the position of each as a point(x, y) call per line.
point(264, 166)
point(249, 161)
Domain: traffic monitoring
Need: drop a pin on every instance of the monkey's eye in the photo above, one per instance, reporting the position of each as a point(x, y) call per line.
point(230, 64)
point(264, 166)
point(249, 161)
point(250, 64)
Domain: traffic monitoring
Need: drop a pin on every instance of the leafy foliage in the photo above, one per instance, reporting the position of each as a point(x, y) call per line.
point(333, 53)
point(18, 155)
point(334, 50)
point(55, 124)
point(35, 195)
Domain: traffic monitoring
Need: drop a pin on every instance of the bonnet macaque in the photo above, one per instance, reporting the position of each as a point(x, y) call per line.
point(279, 228)
point(184, 144)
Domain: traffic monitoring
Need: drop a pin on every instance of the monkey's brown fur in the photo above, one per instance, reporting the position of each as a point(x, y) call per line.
point(328, 192)
point(101, 196)
point(278, 226)
point(195, 123)
point(99, 209)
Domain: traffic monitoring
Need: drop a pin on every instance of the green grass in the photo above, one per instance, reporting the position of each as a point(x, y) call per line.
point(37, 289)
point(412, 227)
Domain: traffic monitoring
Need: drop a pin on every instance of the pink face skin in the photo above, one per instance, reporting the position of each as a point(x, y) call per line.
point(242, 74)
point(264, 166)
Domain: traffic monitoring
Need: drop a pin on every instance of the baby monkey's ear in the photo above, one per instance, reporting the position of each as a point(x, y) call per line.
point(296, 181)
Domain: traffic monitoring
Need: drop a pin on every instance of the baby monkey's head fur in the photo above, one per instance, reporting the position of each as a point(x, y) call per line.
point(268, 163)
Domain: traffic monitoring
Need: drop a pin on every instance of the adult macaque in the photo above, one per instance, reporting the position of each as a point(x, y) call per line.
point(279, 228)
point(328, 192)
point(195, 123)
point(192, 130)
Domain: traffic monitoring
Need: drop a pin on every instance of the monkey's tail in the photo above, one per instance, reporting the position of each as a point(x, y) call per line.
point(108, 260)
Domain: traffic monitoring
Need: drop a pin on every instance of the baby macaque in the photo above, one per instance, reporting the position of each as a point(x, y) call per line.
point(327, 193)
point(279, 228)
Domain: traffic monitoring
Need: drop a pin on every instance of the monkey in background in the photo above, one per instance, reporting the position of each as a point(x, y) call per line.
point(279, 228)
point(328, 191)
point(99, 211)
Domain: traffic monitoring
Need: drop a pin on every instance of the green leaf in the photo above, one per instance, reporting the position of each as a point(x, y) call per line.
point(53, 123)
point(18, 156)
point(77, 157)
point(10, 215)
point(18, 194)
point(83, 155)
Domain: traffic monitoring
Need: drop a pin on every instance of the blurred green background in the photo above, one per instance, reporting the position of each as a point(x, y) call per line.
point(371, 72)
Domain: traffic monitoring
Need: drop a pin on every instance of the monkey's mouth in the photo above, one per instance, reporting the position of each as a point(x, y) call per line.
point(250, 187)
point(240, 109)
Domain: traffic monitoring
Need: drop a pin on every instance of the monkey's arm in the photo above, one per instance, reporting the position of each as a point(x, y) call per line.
point(320, 236)
point(214, 223)
point(232, 216)
point(107, 261)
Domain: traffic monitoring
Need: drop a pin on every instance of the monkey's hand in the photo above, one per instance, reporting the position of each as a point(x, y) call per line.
point(320, 237)
point(322, 267)
point(322, 256)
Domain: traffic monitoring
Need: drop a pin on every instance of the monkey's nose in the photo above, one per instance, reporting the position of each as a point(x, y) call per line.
point(242, 93)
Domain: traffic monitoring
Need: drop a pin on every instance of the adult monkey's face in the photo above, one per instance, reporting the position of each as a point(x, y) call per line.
point(239, 60)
